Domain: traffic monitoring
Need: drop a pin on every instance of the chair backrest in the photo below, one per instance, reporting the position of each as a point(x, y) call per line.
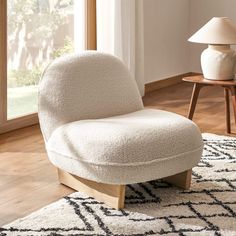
point(88, 85)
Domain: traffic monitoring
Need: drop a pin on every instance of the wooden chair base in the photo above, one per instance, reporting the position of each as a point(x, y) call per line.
point(182, 180)
point(114, 195)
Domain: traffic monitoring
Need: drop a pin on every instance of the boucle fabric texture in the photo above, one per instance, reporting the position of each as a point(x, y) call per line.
point(85, 86)
point(95, 126)
point(148, 141)
point(153, 208)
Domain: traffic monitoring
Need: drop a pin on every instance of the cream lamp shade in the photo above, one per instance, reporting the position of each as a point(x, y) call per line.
point(218, 60)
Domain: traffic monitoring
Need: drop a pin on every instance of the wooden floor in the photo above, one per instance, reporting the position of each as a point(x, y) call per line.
point(28, 181)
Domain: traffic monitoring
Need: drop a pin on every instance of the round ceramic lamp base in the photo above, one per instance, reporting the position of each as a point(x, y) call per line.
point(218, 62)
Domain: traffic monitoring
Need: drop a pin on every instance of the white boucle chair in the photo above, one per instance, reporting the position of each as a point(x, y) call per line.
point(100, 137)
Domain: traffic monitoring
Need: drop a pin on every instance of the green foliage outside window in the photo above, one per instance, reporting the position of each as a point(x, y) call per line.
point(67, 48)
point(39, 20)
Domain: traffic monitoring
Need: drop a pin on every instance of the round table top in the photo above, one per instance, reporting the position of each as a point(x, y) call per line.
point(199, 79)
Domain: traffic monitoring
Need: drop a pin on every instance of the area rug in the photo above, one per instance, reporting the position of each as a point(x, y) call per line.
point(153, 208)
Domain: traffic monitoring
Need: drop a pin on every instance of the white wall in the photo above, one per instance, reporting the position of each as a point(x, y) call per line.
point(201, 11)
point(166, 29)
point(167, 26)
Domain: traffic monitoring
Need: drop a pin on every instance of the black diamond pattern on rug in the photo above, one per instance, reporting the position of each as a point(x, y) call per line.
point(152, 208)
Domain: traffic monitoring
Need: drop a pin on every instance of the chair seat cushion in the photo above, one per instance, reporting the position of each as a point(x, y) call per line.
point(136, 140)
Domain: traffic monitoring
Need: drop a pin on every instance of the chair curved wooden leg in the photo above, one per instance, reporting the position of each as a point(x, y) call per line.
point(112, 195)
point(182, 180)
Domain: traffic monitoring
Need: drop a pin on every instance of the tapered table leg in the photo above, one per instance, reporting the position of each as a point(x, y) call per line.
point(233, 97)
point(227, 110)
point(193, 102)
point(229, 90)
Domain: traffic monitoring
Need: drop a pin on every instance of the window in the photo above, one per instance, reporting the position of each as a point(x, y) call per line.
point(33, 33)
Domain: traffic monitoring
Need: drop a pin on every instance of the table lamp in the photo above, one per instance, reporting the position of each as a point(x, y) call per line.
point(218, 60)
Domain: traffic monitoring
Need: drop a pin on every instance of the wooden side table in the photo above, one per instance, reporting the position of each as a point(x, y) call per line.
point(229, 89)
